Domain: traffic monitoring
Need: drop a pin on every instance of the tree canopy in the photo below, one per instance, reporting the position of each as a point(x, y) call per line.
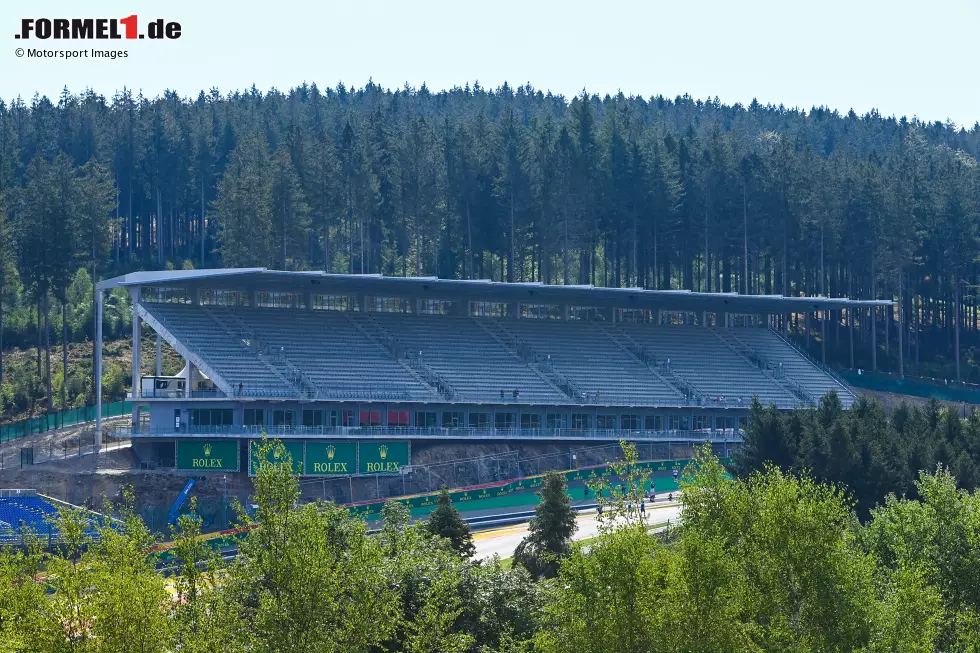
point(509, 184)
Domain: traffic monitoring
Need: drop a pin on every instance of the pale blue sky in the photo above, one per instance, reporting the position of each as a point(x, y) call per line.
point(899, 56)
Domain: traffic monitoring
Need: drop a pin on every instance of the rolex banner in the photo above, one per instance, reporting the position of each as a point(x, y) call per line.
point(276, 455)
point(207, 455)
point(330, 458)
point(382, 457)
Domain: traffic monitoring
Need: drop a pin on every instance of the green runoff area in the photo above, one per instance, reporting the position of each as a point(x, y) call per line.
point(508, 496)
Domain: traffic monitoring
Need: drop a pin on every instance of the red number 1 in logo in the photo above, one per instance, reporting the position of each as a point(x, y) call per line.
point(130, 23)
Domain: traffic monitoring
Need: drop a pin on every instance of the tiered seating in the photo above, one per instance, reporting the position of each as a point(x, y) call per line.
point(337, 357)
point(594, 363)
point(344, 356)
point(26, 511)
point(228, 355)
point(701, 358)
point(461, 352)
point(813, 379)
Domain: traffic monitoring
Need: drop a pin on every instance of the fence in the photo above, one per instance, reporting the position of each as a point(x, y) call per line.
point(928, 388)
point(64, 418)
point(465, 499)
point(494, 468)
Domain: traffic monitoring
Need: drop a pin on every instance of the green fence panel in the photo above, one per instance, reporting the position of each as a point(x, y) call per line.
point(912, 387)
point(71, 417)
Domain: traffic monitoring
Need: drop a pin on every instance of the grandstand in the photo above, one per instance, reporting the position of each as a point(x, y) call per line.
point(321, 358)
point(25, 510)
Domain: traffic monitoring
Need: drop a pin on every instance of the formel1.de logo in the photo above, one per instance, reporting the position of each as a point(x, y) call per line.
point(97, 28)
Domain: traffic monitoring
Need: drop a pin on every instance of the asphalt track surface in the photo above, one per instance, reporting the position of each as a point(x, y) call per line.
point(502, 541)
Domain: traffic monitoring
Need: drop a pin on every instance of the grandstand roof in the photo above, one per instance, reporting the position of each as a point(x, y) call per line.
point(259, 278)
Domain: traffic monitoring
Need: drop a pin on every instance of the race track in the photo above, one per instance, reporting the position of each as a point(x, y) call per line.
point(503, 541)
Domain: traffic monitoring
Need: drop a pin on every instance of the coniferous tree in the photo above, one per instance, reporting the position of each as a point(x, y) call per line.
point(243, 205)
point(289, 211)
point(550, 532)
point(445, 521)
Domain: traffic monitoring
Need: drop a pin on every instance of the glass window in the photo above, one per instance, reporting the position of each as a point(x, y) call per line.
point(479, 420)
point(397, 418)
point(556, 420)
point(581, 421)
point(200, 417)
point(685, 423)
point(425, 419)
point(312, 418)
point(605, 421)
point(211, 416)
point(530, 421)
point(254, 417)
point(282, 418)
point(630, 422)
point(743, 423)
point(653, 422)
point(349, 417)
point(702, 423)
point(370, 418)
point(674, 422)
point(504, 420)
point(452, 419)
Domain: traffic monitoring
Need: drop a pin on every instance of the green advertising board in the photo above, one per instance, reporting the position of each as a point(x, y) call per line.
point(276, 455)
point(330, 458)
point(207, 456)
point(381, 457)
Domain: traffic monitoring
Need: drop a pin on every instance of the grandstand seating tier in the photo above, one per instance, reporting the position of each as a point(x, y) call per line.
point(350, 357)
point(31, 512)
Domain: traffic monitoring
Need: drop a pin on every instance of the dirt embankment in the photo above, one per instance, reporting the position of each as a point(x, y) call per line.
point(892, 400)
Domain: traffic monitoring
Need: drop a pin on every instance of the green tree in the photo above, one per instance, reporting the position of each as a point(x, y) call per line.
point(310, 579)
point(243, 205)
point(550, 531)
point(290, 213)
point(445, 521)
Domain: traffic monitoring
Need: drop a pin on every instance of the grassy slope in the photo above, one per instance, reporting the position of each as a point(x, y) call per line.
point(23, 391)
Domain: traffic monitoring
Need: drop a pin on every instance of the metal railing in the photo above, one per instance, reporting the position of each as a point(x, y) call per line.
point(403, 432)
point(434, 379)
point(214, 393)
point(820, 366)
point(197, 351)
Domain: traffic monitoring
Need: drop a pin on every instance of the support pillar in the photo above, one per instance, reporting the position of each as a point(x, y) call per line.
point(704, 319)
point(135, 296)
point(513, 310)
point(98, 368)
point(159, 366)
point(309, 301)
point(253, 299)
point(188, 383)
point(611, 316)
point(360, 301)
point(873, 314)
point(657, 317)
point(566, 312)
point(721, 319)
point(823, 337)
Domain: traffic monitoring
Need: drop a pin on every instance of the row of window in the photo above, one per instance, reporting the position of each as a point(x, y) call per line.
point(473, 419)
